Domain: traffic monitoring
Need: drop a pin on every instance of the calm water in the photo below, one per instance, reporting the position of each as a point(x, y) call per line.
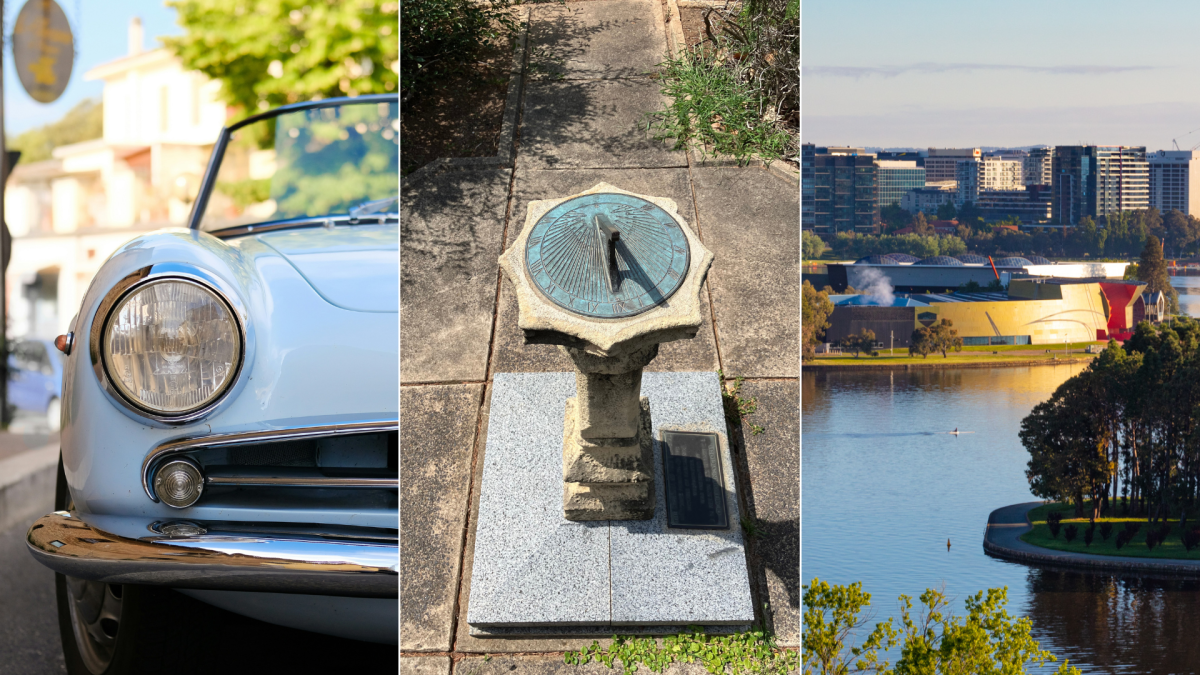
point(885, 487)
point(1189, 294)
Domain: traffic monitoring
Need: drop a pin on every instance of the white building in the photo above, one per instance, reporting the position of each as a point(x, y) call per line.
point(69, 213)
point(985, 175)
point(1173, 180)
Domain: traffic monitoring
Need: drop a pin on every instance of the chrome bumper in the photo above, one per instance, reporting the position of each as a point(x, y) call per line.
point(224, 556)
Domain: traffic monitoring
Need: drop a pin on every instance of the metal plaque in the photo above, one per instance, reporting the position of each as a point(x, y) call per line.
point(43, 49)
point(607, 255)
point(694, 487)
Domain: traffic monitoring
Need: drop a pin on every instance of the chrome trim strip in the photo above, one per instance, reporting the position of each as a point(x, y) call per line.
point(299, 223)
point(323, 482)
point(247, 437)
point(274, 563)
point(151, 274)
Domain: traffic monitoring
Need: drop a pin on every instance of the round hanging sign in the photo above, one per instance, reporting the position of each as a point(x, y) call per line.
point(43, 49)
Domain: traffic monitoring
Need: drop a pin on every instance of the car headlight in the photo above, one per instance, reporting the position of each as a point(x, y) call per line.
point(171, 346)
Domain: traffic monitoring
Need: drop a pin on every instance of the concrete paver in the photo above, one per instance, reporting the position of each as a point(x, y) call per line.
point(773, 463)
point(450, 235)
point(591, 40)
point(750, 220)
point(425, 665)
point(437, 433)
point(585, 124)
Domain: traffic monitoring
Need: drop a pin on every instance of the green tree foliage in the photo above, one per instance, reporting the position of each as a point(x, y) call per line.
point(815, 309)
point(863, 342)
point(893, 217)
point(939, 337)
point(854, 246)
point(272, 52)
point(920, 225)
point(920, 343)
point(987, 641)
point(1180, 232)
point(947, 212)
point(1152, 269)
point(82, 123)
point(1086, 239)
point(811, 246)
point(1124, 427)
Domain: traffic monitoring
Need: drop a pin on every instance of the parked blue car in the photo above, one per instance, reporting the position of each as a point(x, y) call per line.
point(230, 404)
point(35, 380)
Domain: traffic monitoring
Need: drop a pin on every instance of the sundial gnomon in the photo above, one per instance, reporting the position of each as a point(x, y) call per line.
point(607, 255)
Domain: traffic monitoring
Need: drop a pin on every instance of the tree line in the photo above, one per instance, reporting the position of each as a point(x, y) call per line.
point(1119, 235)
point(1124, 434)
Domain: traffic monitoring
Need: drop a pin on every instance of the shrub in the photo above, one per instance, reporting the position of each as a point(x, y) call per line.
point(1131, 528)
point(1151, 539)
point(1190, 538)
point(441, 37)
point(1069, 532)
point(1089, 534)
point(1105, 530)
point(1122, 539)
point(1054, 521)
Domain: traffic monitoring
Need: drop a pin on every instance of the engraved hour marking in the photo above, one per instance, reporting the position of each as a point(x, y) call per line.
point(592, 306)
point(672, 273)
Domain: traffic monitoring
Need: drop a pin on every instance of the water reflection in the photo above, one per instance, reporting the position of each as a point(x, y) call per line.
point(885, 487)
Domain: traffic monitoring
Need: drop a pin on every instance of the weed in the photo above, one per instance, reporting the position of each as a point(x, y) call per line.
point(712, 104)
point(750, 652)
point(750, 528)
point(737, 407)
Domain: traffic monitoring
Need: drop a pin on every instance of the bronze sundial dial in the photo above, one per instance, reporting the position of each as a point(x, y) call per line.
point(607, 255)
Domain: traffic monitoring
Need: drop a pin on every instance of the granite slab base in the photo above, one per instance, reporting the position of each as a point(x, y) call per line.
point(536, 573)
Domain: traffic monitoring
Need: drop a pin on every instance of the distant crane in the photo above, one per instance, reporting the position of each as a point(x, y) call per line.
point(1176, 142)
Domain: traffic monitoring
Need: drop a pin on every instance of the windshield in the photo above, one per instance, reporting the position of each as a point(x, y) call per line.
point(308, 163)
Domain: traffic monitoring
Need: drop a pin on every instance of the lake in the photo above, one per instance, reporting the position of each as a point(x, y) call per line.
point(884, 487)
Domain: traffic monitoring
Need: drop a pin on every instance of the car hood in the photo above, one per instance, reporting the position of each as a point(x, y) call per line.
point(353, 267)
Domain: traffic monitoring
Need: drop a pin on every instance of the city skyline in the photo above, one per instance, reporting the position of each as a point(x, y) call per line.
point(1021, 74)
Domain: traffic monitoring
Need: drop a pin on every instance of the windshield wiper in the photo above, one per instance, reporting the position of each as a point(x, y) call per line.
point(367, 208)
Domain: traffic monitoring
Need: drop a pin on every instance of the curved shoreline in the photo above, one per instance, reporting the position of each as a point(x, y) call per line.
point(867, 365)
point(1006, 524)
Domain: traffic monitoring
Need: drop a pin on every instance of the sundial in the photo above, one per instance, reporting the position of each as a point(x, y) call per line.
point(607, 255)
point(607, 275)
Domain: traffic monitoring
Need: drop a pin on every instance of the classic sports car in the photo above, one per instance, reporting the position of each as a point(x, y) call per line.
point(230, 399)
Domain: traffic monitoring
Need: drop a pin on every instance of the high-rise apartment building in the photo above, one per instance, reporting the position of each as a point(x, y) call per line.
point(987, 174)
point(1095, 180)
point(1174, 178)
point(941, 164)
point(808, 218)
point(845, 191)
point(896, 178)
point(1038, 166)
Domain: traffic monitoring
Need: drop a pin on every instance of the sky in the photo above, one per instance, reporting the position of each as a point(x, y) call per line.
point(101, 29)
point(930, 73)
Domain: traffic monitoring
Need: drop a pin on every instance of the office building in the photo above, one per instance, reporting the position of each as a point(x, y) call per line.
point(1038, 166)
point(1173, 182)
point(1095, 180)
point(895, 178)
point(941, 163)
point(845, 185)
point(1031, 205)
point(929, 198)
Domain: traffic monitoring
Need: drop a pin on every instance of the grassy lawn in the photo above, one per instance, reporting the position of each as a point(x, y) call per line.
point(1172, 548)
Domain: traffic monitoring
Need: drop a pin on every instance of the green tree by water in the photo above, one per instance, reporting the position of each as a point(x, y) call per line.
point(271, 52)
point(863, 342)
point(815, 309)
point(811, 246)
point(1152, 269)
point(987, 641)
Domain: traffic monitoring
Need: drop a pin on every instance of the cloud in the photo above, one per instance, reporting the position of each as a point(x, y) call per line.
point(937, 68)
